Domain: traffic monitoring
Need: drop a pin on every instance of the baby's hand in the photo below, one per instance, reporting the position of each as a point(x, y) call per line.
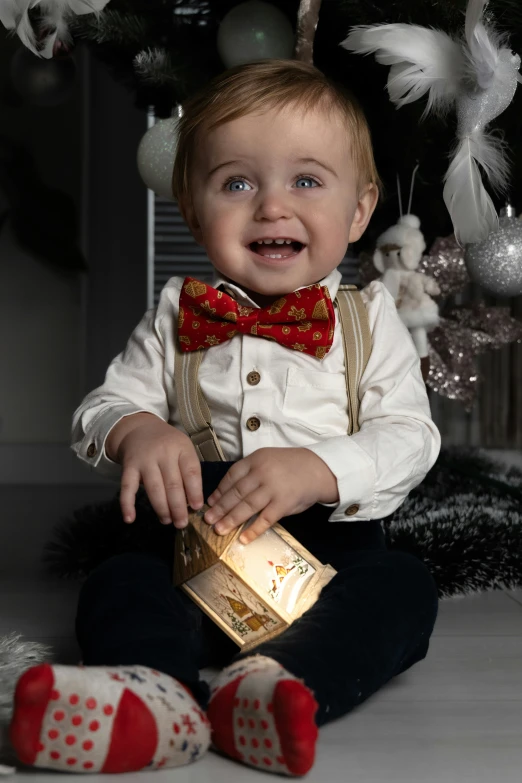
point(165, 461)
point(274, 482)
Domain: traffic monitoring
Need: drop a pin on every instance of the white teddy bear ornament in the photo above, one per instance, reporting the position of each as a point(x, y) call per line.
point(398, 254)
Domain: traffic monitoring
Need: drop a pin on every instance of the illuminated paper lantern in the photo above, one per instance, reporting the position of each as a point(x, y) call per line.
point(253, 592)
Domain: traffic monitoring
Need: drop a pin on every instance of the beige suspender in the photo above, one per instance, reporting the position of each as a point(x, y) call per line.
point(195, 413)
point(357, 343)
point(193, 408)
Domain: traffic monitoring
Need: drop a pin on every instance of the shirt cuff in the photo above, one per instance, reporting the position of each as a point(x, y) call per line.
point(91, 449)
point(356, 479)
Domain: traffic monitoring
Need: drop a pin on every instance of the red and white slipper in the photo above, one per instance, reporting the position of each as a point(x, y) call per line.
point(105, 719)
point(264, 716)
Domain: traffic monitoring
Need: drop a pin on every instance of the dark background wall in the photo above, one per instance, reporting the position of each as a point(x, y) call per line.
point(60, 334)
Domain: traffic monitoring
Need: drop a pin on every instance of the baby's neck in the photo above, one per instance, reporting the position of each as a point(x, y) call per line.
point(263, 300)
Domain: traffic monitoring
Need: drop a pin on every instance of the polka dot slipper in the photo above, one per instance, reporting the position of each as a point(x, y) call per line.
point(105, 719)
point(264, 716)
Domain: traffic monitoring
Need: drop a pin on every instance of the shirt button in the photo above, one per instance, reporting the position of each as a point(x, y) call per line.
point(91, 451)
point(253, 423)
point(253, 378)
point(351, 510)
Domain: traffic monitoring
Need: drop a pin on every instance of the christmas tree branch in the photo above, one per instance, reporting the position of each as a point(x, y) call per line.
point(155, 65)
point(110, 27)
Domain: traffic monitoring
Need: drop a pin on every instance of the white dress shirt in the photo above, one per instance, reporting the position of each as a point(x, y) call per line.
point(300, 401)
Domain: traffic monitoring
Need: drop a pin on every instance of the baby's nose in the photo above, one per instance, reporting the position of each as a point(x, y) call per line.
point(273, 205)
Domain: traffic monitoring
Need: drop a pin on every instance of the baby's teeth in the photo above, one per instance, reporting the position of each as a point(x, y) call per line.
point(271, 241)
point(272, 256)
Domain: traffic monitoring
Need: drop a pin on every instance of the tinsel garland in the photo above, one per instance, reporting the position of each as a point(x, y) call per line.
point(464, 521)
point(16, 655)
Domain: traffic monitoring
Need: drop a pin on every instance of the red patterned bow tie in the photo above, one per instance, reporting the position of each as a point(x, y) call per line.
point(303, 320)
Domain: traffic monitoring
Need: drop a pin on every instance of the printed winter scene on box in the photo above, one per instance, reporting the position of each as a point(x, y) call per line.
point(234, 602)
point(274, 566)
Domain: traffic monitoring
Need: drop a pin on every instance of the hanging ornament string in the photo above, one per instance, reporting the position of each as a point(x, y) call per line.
point(399, 194)
point(412, 183)
point(307, 20)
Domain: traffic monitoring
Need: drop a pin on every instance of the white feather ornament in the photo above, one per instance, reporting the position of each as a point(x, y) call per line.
point(14, 15)
point(422, 60)
point(478, 75)
point(466, 199)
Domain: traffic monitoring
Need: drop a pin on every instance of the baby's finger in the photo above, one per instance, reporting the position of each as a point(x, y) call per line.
point(244, 510)
point(190, 468)
point(237, 494)
point(263, 523)
point(130, 483)
point(155, 489)
point(175, 493)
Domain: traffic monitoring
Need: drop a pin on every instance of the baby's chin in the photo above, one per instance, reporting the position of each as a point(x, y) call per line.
point(272, 288)
point(266, 288)
point(261, 298)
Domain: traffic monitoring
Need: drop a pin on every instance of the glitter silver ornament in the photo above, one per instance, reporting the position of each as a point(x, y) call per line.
point(496, 263)
point(156, 155)
point(254, 31)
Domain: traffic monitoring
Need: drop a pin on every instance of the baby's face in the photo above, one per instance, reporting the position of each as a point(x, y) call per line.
point(277, 175)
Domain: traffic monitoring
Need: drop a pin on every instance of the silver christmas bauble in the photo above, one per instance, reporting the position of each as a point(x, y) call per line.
point(156, 155)
point(254, 31)
point(496, 263)
point(42, 82)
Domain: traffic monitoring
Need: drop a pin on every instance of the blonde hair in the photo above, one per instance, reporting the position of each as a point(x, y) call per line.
point(256, 87)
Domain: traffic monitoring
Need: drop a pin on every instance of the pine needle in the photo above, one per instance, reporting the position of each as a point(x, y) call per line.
point(111, 27)
point(155, 65)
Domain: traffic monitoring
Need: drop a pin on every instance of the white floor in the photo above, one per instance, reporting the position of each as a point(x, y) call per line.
point(452, 718)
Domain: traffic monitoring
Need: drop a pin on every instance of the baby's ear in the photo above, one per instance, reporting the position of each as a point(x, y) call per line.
point(366, 204)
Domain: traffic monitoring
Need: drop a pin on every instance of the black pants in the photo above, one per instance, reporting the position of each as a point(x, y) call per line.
point(371, 622)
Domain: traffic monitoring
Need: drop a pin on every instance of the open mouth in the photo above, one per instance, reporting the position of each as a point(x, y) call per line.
point(276, 250)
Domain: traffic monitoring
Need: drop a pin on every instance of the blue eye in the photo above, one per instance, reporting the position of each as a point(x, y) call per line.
point(307, 179)
point(236, 182)
point(244, 186)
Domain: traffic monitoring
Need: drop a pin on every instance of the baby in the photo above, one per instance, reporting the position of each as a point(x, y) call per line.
point(275, 176)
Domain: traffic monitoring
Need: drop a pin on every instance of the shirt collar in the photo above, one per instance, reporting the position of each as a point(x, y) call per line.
point(331, 281)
